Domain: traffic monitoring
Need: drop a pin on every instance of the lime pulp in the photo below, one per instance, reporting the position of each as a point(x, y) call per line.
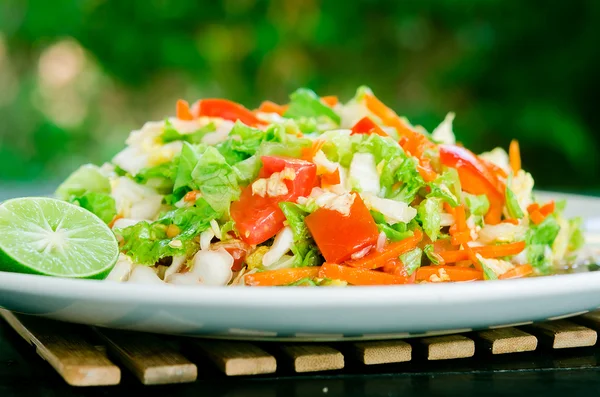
point(52, 237)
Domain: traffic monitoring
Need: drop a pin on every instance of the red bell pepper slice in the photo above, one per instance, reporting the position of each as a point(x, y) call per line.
point(367, 126)
point(338, 236)
point(475, 178)
point(227, 110)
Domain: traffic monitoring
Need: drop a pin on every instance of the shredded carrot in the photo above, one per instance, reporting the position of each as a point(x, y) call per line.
point(547, 208)
point(331, 178)
point(183, 110)
point(536, 217)
point(280, 276)
point(472, 257)
point(389, 117)
point(426, 171)
point(460, 218)
point(448, 208)
point(489, 251)
point(455, 273)
point(514, 155)
point(494, 168)
point(378, 259)
point(360, 276)
point(533, 207)
point(190, 197)
point(511, 220)
point(460, 238)
point(116, 218)
point(272, 107)
point(330, 100)
point(517, 272)
point(310, 152)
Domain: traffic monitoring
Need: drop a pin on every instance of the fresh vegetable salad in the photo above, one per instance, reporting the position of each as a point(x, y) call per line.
point(317, 192)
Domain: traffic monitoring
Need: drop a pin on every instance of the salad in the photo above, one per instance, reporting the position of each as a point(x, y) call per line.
point(317, 193)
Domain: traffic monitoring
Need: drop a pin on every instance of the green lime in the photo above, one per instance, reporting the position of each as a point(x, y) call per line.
point(54, 238)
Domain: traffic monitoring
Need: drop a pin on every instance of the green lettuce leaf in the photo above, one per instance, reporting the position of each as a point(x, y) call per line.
point(576, 239)
point(429, 213)
point(304, 103)
point(170, 134)
point(216, 180)
point(88, 178)
point(410, 179)
point(304, 248)
point(146, 243)
point(412, 260)
point(512, 204)
point(447, 187)
point(185, 165)
point(396, 232)
point(477, 205)
point(429, 251)
point(160, 177)
point(100, 204)
point(539, 240)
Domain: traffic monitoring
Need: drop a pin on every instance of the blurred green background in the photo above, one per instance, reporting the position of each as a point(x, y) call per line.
point(77, 76)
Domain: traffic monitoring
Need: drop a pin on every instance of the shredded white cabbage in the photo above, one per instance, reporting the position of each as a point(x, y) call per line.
point(443, 133)
point(393, 211)
point(363, 173)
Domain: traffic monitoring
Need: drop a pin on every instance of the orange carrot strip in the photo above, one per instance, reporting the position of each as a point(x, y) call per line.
point(330, 100)
point(490, 251)
point(514, 155)
point(512, 221)
point(536, 217)
point(517, 272)
point(472, 257)
point(378, 259)
point(460, 238)
point(309, 153)
point(191, 196)
point(331, 178)
point(425, 170)
point(547, 209)
point(280, 276)
point(357, 276)
point(460, 218)
point(116, 218)
point(183, 110)
point(272, 107)
point(424, 273)
point(448, 208)
point(533, 207)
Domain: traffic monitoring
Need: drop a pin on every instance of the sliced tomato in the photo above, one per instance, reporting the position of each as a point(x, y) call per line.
point(227, 110)
point(260, 218)
point(475, 178)
point(338, 236)
point(367, 126)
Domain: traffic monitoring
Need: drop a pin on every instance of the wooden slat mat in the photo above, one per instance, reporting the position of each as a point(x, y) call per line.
point(85, 356)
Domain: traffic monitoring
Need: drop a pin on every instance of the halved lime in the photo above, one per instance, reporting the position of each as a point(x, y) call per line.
point(54, 238)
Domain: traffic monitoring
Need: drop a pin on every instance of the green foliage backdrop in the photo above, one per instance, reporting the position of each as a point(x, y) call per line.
point(77, 76)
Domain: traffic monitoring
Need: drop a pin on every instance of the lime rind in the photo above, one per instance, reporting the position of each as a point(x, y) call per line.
point(46, 236)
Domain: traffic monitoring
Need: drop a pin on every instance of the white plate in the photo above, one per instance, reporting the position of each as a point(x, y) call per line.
point(308, 313)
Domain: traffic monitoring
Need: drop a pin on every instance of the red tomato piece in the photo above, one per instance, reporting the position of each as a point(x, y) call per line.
point(475, 178)
point(339, 236)
point(260, 218)
point(367, 126)
point(227, 110)
point(237, 249)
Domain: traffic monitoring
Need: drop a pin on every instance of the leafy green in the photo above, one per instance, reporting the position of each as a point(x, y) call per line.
point(100, 204)
point(242, 142)
point(576, 239)
point(185, 165)
point(410, 179)
point(170, 134)
point(412, 260)
point(512, 204)
point(216, 180)
point(429, 213)
point(539, 239)
point(146, 242)
point(88, 178)
point(161, 177)
point(303, 282)
point(304, 103)
point(447, 187)
point(435, 258)
point(304, 248)
point(477, 205)
point(488, 273)
point(396, 232)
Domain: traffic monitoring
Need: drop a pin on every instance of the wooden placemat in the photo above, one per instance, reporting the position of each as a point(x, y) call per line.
point(85, 356)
